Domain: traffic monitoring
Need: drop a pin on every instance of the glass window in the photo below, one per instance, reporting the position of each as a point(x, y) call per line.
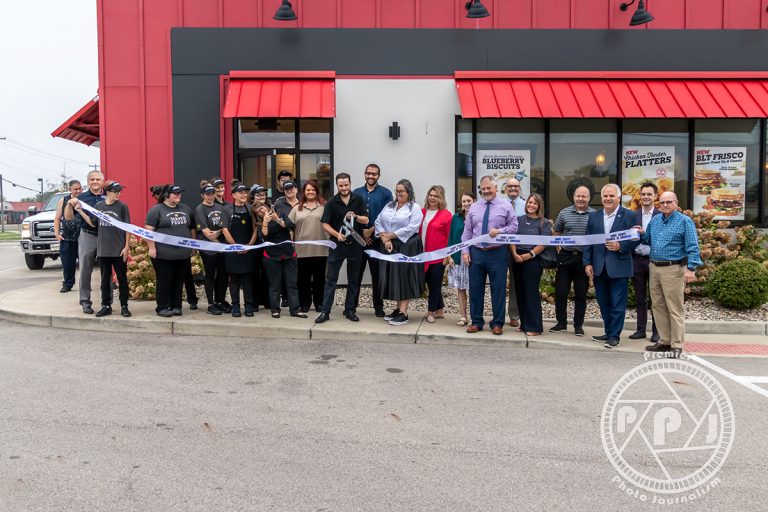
point(266, 133)
point(257, 169)
point(582, 152)
point(318, 167)
point(463, 159)
point(656, 136)
point(315, 134)
point(727, 153)
point(522, 137)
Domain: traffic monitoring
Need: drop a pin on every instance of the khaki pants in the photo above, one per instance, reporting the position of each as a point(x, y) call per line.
point(667, 286)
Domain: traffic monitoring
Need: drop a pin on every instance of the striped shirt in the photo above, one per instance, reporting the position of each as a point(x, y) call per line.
point(572, 222)
point(673, 238)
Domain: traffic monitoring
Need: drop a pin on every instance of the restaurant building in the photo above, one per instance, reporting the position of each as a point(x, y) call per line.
point(559, 93)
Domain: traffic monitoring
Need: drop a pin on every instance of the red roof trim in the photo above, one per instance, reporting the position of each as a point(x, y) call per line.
point(83, 126)
point(281, 75)
point(612, 75)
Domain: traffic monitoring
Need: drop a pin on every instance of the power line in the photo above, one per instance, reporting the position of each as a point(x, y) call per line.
point(27, 169)
point(43, 154)
point(36, 191)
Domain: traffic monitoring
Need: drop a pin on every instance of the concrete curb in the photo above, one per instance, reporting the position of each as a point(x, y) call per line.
point(698, 326)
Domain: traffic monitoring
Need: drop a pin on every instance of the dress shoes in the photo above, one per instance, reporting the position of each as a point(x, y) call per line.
point(124, 311)
point(637, 335)
point(655, 338)
point(351, 316)
point(497, 330)
point(514, 323)
point(472, 329)
point(87, 309)
point(323, 317)
point(176, 311)
point(379, 313)
point(193, 307)
point(165, 313)
point(658, 347)
point(65, 289)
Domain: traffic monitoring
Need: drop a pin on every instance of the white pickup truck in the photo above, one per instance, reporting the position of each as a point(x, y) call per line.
point(38, 240)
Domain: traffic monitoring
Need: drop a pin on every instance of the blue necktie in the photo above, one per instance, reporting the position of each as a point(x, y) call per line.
point(485, 220)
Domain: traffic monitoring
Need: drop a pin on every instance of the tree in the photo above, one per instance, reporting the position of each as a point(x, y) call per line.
point(51, 188)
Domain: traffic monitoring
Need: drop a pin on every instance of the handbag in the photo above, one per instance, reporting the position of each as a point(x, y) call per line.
point(547, 257)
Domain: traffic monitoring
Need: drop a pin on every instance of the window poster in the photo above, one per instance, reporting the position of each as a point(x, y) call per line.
point(640, 164)
point(504, 164)
point(719, 181)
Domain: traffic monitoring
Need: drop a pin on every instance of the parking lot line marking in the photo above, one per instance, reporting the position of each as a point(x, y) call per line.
point(744, 381)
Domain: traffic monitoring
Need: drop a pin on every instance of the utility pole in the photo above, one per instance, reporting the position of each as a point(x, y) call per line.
point(2, 206)
point(94, 167)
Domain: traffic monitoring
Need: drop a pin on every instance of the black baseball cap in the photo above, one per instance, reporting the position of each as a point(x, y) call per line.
point(289, 184)
point(239, 188)
point(255, 189)
point(208, 189)
point(285, 173)
point(175, 189)
point(217, 182)
point(113, 187)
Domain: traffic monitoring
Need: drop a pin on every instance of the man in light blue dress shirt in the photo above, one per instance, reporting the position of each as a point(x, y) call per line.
point(513, 190)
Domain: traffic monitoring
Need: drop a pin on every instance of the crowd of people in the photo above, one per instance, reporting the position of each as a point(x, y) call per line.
point(304, 276)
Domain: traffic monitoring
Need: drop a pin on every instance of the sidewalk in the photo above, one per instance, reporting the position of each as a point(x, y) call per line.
point(43, 305)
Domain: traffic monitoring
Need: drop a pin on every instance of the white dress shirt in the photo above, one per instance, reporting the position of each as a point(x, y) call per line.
point(644, 249)
point(608, 220)
point(403, 221)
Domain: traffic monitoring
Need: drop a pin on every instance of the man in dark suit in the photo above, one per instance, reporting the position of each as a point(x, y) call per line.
point(610, 265)
point(640, 262)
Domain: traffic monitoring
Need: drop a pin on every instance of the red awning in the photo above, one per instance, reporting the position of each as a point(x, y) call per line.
point(281, 94)
point(83, 127)
point(612, 95)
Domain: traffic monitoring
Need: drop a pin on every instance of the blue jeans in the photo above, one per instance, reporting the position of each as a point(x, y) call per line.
point(493, 265)
point(68, 255)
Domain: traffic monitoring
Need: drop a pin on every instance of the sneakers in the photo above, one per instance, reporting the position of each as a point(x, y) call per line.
point(65, 289)
point(558, 328)
point(213, 309)
point(248, 310)
point(379, 313)
point(176, 311)
point(165, 313)
point(236, 310)
point(398, 319)
point(87, 308)
point(393, 314)
point(193, 306)
point(602, 337)
point(104, 311)
point(637, 335)
point(225, 307)
point(611, 343)
point(578, 331)
point(124, 311)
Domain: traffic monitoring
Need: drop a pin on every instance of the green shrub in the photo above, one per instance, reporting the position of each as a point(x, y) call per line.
point(739, 284)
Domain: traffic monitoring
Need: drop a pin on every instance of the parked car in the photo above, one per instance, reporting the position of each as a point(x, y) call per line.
point(38, 240)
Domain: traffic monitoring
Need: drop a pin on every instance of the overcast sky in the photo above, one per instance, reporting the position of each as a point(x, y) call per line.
point(48, 70)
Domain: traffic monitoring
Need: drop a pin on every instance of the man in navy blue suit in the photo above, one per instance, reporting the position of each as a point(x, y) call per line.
point(610, 265)
point(641, 261)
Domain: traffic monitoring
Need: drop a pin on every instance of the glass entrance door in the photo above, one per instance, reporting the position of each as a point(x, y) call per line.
point(262, 167)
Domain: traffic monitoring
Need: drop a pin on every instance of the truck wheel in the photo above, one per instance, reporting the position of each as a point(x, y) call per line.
point(34, 261)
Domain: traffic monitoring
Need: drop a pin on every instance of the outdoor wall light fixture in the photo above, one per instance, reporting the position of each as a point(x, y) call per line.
point(476, 9)
point(394, 131)
point(285, 12)
point(641, 16)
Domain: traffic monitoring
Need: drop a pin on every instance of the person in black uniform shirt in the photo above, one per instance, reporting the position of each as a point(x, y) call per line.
point(67, 232)
point(208, 223)
point(238, 228)
point(261, 206)
point(86, 242)
point(171, 263)
point(343, 205)
point(220, 187)
point(112, 249)
point(280, 260)
point(282, 177)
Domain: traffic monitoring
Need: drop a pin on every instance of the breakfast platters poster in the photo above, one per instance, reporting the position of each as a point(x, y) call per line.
point(641, 164)
point(719, 181)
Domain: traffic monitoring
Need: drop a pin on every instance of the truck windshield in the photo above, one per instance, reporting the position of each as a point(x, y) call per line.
point(52, 202)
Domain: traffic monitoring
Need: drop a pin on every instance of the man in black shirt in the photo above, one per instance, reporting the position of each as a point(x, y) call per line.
point(343, 205)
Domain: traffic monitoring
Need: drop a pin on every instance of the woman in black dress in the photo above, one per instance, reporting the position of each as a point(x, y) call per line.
point(527, 268)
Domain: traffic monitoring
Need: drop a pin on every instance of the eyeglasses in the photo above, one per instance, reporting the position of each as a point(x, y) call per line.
point(513, 186)
point(665, 203)
point(371, 174)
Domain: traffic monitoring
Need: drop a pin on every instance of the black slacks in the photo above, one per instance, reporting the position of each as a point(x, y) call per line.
point(527, 278)
point(353, 254)
point(215, 277)
point(373, 264)
point(238, 282)
point(106, 264)
point(434, 279)
point(170, 276)
point(279, 272)
point(570, 269)
point(311, 282)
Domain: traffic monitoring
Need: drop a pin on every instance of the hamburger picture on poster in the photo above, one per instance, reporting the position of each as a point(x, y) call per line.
point(719, 181)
